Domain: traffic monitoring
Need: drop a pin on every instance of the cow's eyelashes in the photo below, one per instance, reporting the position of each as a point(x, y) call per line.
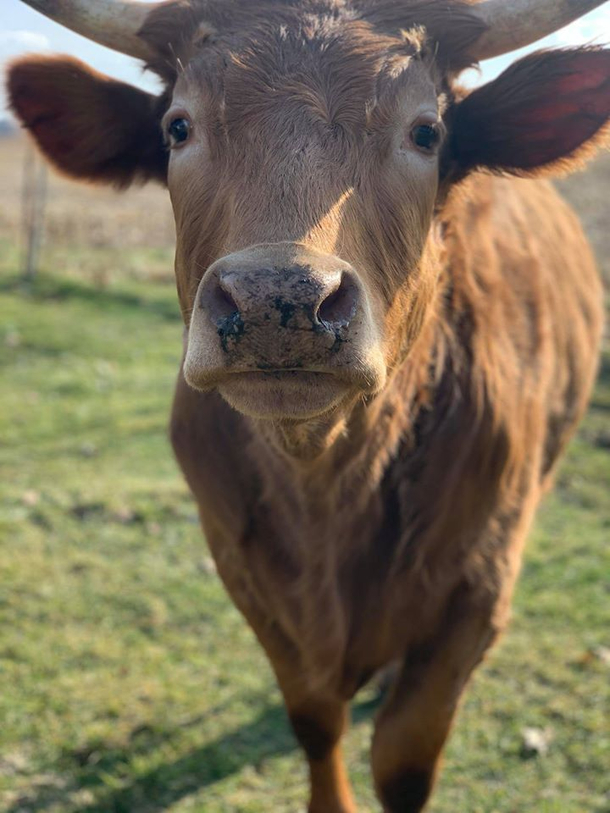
point(178, 131)
point(426, 137)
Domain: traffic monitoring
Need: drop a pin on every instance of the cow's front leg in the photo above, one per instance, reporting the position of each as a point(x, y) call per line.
point(414, 722)
point(319, 723)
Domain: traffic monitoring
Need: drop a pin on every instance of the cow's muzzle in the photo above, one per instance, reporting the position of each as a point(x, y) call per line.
point(282, 331)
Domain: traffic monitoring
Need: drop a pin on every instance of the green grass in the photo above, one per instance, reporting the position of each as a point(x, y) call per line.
point(129, 682)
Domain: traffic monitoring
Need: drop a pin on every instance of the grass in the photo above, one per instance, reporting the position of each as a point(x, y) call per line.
point(131, 684)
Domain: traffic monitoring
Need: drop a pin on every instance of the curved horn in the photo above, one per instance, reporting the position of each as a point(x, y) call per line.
point(513, 24)
point(113, 23)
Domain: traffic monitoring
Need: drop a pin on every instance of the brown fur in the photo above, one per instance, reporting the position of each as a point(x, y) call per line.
point(387, 528)
point(532, 96)
point(96, 129)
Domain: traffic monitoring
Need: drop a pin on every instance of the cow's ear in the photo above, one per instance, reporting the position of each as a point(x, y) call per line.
point(89, 126)
point(547, 111)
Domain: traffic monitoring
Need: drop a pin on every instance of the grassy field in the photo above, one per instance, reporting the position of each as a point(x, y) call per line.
point(129, 682)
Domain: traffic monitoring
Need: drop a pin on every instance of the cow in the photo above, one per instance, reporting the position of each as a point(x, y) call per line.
point(392, 320)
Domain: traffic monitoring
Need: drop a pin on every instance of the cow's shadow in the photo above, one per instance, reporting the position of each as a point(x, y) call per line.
point(603, 380)
point(47, 287)
point(267, 736)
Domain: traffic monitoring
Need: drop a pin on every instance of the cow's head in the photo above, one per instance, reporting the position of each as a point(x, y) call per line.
point(307, 145)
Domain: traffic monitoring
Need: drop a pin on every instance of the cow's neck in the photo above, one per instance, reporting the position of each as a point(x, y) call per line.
point(337, 458)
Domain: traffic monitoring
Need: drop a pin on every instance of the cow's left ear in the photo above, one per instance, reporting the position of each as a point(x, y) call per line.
point(546, 111)
point(89, 126)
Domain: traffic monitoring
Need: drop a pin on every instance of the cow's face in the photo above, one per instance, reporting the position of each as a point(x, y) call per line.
point(305, 140)
point(303, 174)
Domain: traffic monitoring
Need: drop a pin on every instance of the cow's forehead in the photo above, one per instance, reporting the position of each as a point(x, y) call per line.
point(307, 68)
point(180, 31)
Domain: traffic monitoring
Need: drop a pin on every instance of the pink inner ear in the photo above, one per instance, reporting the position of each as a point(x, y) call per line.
point(551, 112)
point(590, 78)
point(29, 106)
point(44, 117)
point(585, 90)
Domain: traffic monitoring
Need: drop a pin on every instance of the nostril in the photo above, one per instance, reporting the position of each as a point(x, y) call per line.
point(219, 303)
point(226, 302)
point(338, 308)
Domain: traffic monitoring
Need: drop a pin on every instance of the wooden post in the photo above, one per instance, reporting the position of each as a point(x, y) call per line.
point(34, 194)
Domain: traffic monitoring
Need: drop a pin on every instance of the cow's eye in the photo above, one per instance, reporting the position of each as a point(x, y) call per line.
point(179, 131)
point(425, 136)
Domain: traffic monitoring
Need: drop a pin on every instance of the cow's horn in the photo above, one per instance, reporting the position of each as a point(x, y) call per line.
point(512, 24)
point(114, 23)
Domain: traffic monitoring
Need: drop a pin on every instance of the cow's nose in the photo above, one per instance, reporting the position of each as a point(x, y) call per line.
point(288, 318)
point(291, 298)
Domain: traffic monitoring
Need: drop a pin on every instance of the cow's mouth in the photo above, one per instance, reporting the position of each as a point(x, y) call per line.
point(290, 394)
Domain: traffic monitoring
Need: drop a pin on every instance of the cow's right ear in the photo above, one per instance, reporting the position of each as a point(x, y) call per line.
point(89, 126)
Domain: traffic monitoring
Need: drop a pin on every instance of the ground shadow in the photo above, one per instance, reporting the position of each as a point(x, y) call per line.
point(603, 381)
point(603, 376)
point(267, 736)
point(47, 288)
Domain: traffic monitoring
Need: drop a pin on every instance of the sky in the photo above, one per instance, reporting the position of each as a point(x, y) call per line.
point(23, 30)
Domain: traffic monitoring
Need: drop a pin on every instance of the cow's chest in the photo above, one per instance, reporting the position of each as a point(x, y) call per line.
point(346, 588)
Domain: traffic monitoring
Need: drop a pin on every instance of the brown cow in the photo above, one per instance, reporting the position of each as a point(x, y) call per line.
point(387, 346)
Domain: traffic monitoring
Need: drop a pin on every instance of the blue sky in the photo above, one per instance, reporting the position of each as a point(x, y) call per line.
point(23, 30)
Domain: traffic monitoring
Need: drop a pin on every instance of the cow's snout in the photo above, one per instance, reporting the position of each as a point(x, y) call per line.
point(285, 320)
point(293, 298)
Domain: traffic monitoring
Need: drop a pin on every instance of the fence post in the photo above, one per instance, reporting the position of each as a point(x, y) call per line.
point(34, 194)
